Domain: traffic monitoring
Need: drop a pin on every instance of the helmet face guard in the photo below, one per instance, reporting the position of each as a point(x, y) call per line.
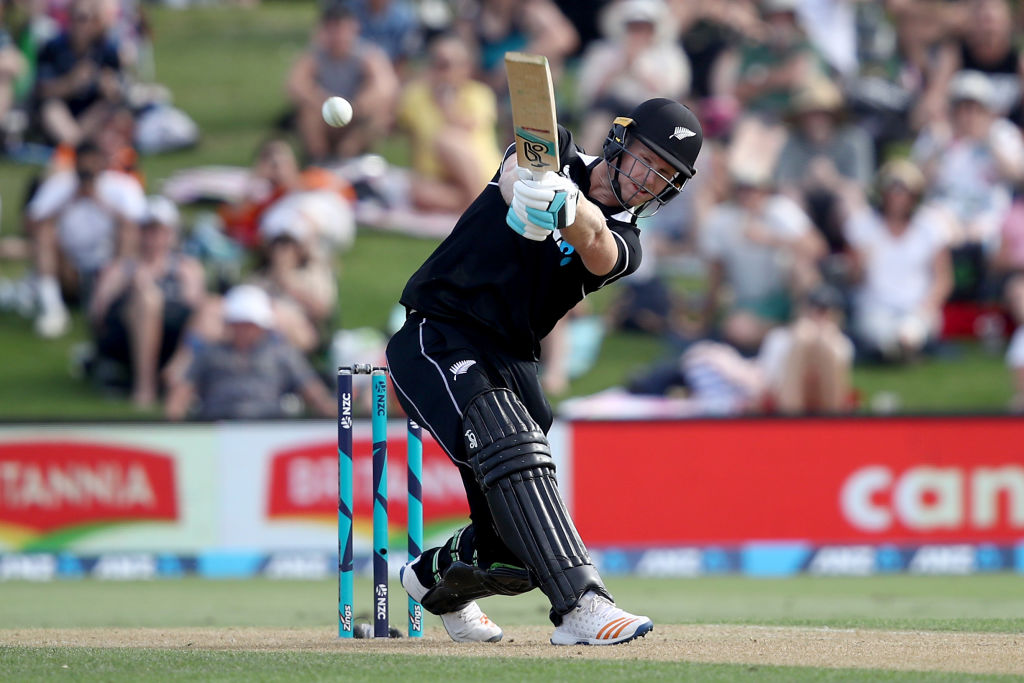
point(672, 133)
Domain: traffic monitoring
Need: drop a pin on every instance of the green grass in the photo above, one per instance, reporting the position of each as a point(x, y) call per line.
point(93, 664)
point(226, 67)
point(978, 603)
point(993, 603)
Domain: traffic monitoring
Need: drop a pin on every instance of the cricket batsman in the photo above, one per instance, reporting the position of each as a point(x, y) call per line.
point(465, 366)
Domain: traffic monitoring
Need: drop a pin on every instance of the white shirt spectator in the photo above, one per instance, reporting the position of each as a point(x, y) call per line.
point(897, 268)
point(662, 70)
point(87, 226)
point(754, 271)
point(966, 176)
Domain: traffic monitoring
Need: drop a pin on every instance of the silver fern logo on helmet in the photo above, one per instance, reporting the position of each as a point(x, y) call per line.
point(461, 368)
point(681, 133)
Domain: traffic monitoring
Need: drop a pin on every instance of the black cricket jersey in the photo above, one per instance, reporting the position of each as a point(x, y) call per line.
point(510, 290)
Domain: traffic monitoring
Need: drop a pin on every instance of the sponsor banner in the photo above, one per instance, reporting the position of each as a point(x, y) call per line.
point(279, 487)
point(102, 488)
point(857, 481)
point(756, 560)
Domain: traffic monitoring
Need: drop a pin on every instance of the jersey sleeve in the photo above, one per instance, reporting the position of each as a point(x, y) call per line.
point(627, 239)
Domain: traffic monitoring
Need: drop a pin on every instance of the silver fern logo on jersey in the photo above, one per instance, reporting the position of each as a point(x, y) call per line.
point(461, 368)
point(681, 133)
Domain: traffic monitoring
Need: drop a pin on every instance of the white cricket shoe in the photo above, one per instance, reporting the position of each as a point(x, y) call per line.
point(597, 621)
point(467, 625)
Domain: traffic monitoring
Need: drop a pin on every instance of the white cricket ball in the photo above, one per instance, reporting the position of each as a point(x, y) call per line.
point(336, 111)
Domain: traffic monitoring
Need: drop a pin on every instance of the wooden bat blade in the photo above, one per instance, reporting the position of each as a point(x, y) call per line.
point(532, 94)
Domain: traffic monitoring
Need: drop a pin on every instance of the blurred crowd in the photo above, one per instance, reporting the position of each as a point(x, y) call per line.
point(858, 195)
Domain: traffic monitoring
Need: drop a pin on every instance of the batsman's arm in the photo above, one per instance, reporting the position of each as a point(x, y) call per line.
point(592, 239)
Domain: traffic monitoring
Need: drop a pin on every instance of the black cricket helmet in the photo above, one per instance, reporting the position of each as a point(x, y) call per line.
point(667, 128)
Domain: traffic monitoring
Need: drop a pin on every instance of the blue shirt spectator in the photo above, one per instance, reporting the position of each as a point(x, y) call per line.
point(391, 25)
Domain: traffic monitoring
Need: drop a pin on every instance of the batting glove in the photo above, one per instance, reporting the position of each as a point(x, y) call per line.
point(517, 220)
point(549, 202)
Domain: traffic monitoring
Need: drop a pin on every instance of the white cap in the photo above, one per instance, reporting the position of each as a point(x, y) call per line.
point(972, 85)
point(619, 14)
point(160, 209)
point(248, 304)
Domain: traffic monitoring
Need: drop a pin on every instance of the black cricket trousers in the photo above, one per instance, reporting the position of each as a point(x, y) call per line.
point(436, 370)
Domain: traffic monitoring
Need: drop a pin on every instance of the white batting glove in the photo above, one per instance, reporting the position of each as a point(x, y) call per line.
point(549, 202)
point(514, 219)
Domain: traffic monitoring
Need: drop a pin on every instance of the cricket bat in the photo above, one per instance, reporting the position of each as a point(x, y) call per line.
point(533, 112)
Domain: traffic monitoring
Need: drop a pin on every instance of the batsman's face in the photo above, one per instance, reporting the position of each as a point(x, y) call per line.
point(643, 174)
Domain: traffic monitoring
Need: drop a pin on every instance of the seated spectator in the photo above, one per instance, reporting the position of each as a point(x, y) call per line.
point(808, 364)
point(711, 33)
point(972, 161)
point(638, 59)
point(450, 119)
point(985, 44)
point(12, 66)
point(340, 63)
point(902, 263)
point(275, 174)
point(391, 25)
point(1008, 275)
point(802, 367)
point(249, 374)
point(893, 61)
point(302, 289)
point(763, 247)
point(78, 77)
point(765, 74)
point(78, 221)
point(498, 26)
point(820, 155)
point(142, 302)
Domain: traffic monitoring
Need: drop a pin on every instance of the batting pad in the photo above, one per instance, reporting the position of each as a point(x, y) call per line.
point(511, 460)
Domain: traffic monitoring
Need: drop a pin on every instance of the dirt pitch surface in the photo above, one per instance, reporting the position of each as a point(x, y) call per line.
point(991, 653)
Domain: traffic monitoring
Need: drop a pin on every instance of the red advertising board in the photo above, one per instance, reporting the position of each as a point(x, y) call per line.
point(866, 480)
point(303, 483)
point(50, 485)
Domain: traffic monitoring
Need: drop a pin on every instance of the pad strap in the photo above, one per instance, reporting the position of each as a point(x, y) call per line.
point(464, 582)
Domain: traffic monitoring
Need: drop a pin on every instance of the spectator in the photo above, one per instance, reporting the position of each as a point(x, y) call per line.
point(893, 61)
point(142, 302)
point(275, 174)
point(984, 44)
point(301, 288)
point(973, 161)
point(391, 25)
point(78, 77)
point(639, 58)
point(450, 119)
point(711, 33)
point(1008, 275)
point(340, 63)
point(903, 262)
point(78, 221)
point(807, 365)
point(820, 155)
point(802, 367)
point(764, 248)
point(12, 66)
point(766, 73)
point(250, 373)
point(534, 26)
